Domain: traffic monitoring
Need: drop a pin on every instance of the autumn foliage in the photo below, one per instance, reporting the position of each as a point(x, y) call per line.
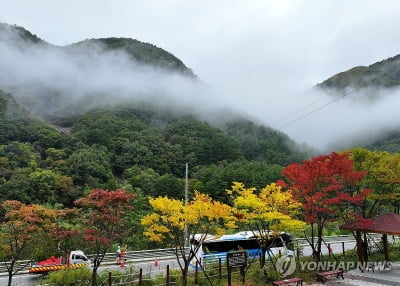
point(383, 176)
point(266, 212)
point(270, 207)
point(172, 219)
point(325, 182)
point(103, 221)
point(23, 226)
point(171, 216)
point(326, 186)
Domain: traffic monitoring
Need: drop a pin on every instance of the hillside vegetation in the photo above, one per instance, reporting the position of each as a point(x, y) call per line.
point(140, 52)
point(132, 147)
point(383, 74)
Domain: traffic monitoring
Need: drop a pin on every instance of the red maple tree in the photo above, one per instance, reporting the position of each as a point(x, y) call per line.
point(326, 186)
point(104, 224)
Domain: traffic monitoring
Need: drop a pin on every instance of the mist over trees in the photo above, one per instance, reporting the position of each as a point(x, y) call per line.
point(116, 112)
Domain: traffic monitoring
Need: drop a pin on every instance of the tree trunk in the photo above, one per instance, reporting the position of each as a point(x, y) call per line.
point(94, 278)
point(94, 273)
point(185, 271)
point(10, 272)
point(396, 207)
point(262, 258)
point(360, 252)
point(319, 243)
point(314, 251)
point(365, 247)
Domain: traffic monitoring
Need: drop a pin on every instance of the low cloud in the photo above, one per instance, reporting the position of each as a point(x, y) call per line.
point(261, 60)
point(94, 75)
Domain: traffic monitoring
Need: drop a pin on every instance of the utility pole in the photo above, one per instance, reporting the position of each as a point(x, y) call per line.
point(186, 238)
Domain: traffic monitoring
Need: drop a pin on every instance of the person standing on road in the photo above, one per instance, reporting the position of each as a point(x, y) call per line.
point(118, 254)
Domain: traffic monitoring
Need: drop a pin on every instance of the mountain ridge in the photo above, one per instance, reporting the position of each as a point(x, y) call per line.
point(372, 84)
point(143, 53)
point(382, 74)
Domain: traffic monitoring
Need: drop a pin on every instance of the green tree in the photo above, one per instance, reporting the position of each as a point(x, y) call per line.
point(65, 190)
point(144, 179)
point(42, 186)
point(90, 165)
point(19, 155)
point(261, 143)
point(17, 187)
point(382, 175)
point(47, 136)
point(55, 158)
point(169, 185)
point(102, 127)
point(201, 143)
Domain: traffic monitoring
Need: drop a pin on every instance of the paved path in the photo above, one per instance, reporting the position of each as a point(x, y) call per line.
point(368, 278)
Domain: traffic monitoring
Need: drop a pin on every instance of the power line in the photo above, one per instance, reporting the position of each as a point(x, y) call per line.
point(382, 76)
point(301, 109)
point(316, 109)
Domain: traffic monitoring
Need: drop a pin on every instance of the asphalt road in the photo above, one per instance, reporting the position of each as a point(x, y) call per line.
point(149, 267)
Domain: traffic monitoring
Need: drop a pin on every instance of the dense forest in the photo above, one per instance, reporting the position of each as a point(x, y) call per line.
point(134, 147)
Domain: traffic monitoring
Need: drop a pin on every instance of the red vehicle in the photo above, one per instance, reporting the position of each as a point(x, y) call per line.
point(76, 259)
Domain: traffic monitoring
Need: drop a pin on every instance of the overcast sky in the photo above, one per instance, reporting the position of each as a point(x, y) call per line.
point(261, 56)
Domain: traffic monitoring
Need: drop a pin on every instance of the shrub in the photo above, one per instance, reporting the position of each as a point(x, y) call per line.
point(69, 277)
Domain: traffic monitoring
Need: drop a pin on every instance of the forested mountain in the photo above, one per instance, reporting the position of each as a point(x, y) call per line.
point(143, 53)
point(94, 73)
point(140, 52)
point(135, 147)
point(389, 141)
point(104, 113)
point(383, 74)
point(14, 32)
point(370, 85)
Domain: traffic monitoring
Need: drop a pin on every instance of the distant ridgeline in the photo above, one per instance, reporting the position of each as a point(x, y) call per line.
point(64, 83)
point(20, 32)
point(372, 83)
point(143, 53)
point(383, 74)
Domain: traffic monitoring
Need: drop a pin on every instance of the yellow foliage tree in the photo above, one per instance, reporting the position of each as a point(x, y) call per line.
point(266, 212)
point(383, 175)
point(172, 220)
